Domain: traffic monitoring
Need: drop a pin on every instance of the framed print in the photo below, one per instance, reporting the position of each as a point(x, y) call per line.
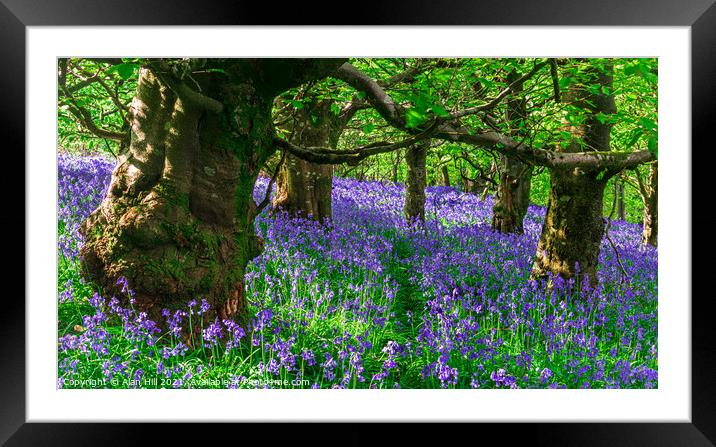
point(451, 217)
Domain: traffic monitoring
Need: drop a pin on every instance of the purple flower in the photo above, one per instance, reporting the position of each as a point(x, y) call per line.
point(212, 333)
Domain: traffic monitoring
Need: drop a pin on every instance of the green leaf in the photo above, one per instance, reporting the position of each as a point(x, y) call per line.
point(565, 82)
point(414, 119)
point(648, 124)
point(126, 70)
point(636, 134)
point(602, 117)
point(632, 69)
point(487, 83)
point(440, 111)
point(296, 104)
point(442, 75)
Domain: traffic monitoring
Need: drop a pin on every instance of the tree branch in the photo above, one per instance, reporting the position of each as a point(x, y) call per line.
point(322, 155)
point(183, 91)
point(85, 117)
point(478, 168)
point(496, 100)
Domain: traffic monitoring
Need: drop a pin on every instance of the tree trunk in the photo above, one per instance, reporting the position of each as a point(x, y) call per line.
point(468, 185)
point(621, 206)
point(178, 218)
point(446, 175)
point(415, 182)
point(574, 226)
point(396, 165)
point(304, 188)
point(515, 177)
point(488, 185)
point(513, 196)
point(651, 228)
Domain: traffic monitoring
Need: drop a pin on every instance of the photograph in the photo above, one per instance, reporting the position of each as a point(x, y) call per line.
point(357, 222)
point(410, 215)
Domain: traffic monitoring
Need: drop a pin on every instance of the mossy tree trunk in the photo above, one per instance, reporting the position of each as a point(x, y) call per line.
point(177, 221)
point(515, 177)
point(574, 226)
point(415, 182)
point(513, 196)
point(304, 188)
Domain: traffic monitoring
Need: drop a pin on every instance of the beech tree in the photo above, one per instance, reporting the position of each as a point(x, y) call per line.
point(304, 188)
point(513, 188)
point(177, 221)
point(574, 226)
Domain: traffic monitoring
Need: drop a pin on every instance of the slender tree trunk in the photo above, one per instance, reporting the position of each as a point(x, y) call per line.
point(651, 218)
point(178, 219)
point(446, 175)
point(396, 165)
point(515, 177)
point(573, 228)
point(488, 185)
point(621, 206)
point(468, 185)
point(415, 183)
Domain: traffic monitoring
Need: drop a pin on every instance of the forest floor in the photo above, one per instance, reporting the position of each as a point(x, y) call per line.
point(371, 302)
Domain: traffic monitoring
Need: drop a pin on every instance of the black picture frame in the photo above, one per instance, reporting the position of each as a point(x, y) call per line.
point(699, 15)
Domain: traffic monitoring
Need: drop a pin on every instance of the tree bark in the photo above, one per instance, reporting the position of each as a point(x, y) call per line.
point(573, 228)
point(304, 188)
point(513, 196)
point(446, 175)
point(651, 218)
point(469, 185)
point(515, 177)
point(178, 219)
point(415, 182)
